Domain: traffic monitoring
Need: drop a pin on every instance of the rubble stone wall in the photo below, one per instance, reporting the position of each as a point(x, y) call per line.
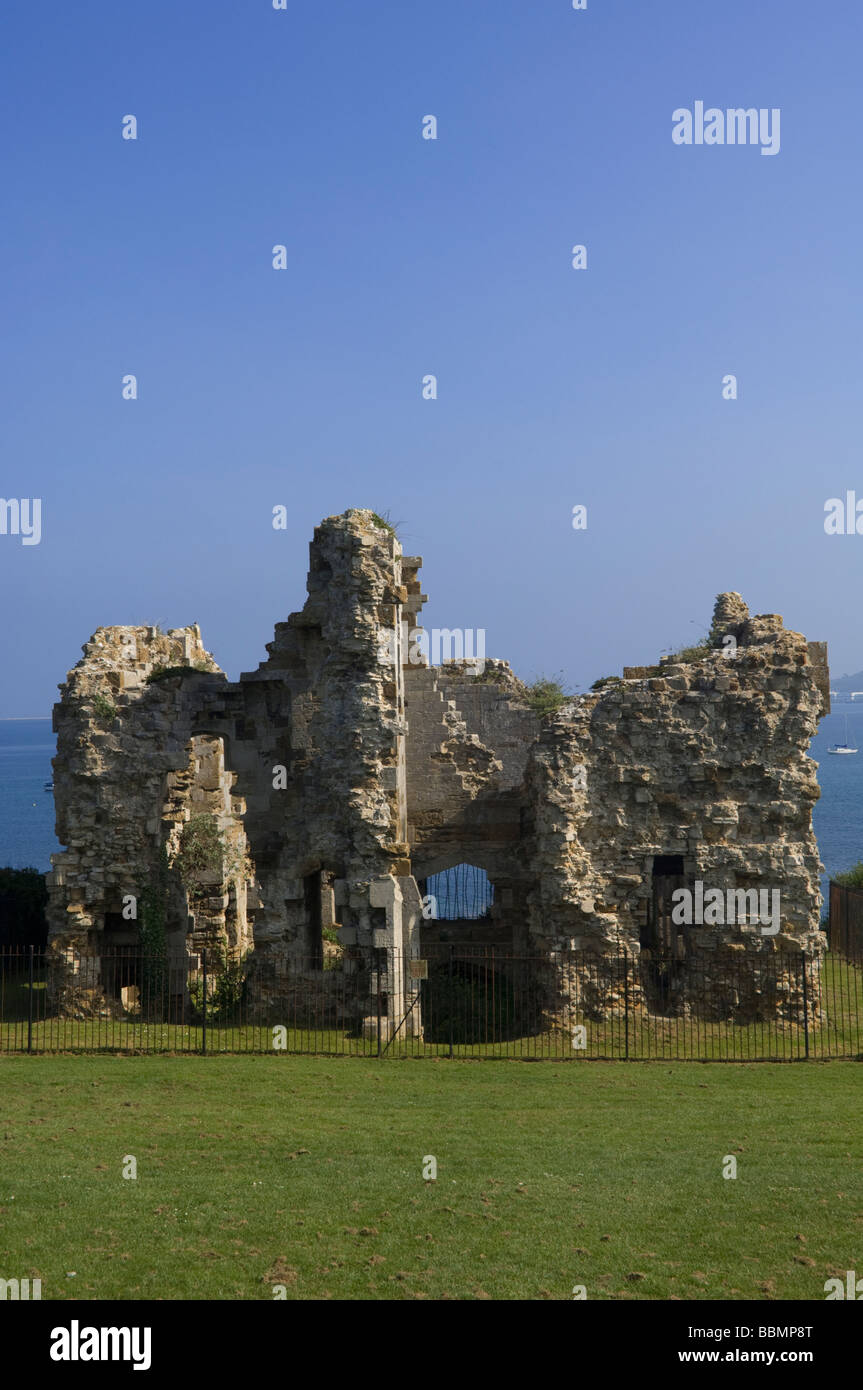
point(339, 773)
point(702, 765)
point(313, 741)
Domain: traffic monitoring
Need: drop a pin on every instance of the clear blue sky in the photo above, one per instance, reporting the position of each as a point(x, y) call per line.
point(409, 257)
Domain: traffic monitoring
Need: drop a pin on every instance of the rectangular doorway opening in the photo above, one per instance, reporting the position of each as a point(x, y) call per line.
point(313, 894)
point(661, 931)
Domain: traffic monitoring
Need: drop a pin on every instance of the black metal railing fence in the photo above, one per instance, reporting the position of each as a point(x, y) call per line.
point(845, 925)
point(457, 1000)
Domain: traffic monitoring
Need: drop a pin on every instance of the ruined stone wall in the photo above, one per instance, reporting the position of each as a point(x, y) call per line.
point(218, 896)
point(467, 749)
point(313, 741)
point(339, 772)
point(327, 706)
point(324, 707)
point(128, 776)
point(703, 761)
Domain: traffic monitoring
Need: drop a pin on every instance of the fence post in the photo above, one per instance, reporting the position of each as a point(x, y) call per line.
point(626, 1004)
point(206, 1001)
point(378, 978)
point(30, 1007)
point(451, 996)
point(805, 1005)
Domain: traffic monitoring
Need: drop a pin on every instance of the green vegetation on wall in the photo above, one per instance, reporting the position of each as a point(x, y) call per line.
point(226, 987)
point(546, 695)
point(104, 709)
point(201, 853)
point(696, 653)
point(163, 673)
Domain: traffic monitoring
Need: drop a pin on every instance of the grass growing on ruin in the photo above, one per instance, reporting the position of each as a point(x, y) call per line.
point(546, 695)
point(308, 1173)
point(689, 654)
point(384, 523)
point(163, 673)
point(104, 709)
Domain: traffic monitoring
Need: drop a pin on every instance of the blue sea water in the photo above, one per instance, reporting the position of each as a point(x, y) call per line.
point(27, 810)
point(838, 816)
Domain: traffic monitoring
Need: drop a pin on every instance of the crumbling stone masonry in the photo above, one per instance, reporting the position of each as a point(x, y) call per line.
point(694, 771)
point(334, 779)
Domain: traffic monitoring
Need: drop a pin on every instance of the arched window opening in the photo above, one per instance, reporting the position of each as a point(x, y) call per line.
point(463, 893)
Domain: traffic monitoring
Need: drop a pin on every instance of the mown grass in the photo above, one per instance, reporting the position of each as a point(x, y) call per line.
point(303, 1172)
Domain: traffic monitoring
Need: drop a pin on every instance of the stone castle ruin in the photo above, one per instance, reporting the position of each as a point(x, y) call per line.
point(299, 816)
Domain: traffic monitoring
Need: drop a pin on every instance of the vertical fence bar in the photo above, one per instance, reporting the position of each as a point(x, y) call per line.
point(495, 1008)
point(452, 999)
point(204, 1005)
point(378, 980)
point(30, 1007)
point(805, 1005)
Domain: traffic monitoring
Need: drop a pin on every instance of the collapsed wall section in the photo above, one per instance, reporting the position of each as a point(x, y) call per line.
point(152, 739)
point(308, 799)
point(321, 759)
point(694, 772)
point(131, 778)
point(467, 749)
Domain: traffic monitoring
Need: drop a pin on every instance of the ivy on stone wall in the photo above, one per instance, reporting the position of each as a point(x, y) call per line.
point(201, 852)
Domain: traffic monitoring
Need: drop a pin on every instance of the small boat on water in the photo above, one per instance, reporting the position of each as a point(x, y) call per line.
point(843, 747)
point(49, 786)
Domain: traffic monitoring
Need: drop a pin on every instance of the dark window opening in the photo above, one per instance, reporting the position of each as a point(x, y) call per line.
point(120, 960)
point(665, 864)
point(312, 888)
point(661, 932)
point(660, 935)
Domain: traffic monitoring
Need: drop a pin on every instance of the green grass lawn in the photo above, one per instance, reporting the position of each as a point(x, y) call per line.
point(308, 1172)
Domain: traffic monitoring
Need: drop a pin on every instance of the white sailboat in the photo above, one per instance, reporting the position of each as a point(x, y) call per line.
point(843, 747)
